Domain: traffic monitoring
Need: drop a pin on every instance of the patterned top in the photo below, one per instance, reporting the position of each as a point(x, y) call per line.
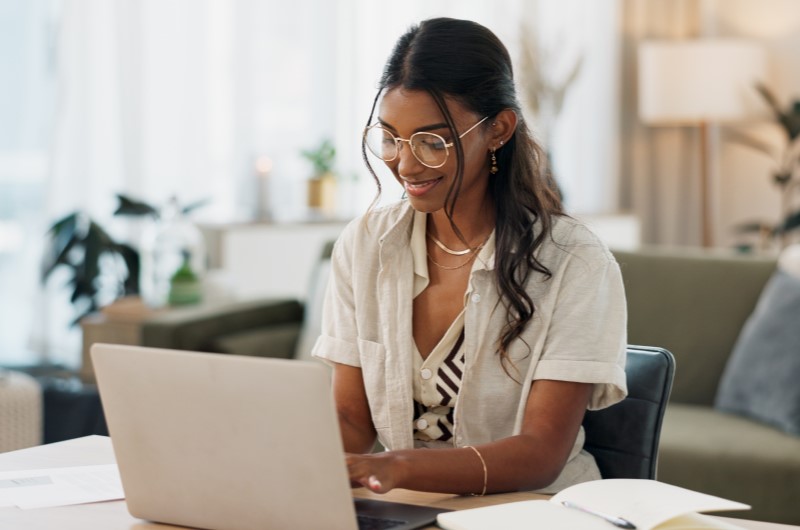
point(436, 388)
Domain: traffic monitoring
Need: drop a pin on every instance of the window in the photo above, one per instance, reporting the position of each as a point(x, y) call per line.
point(27, 78)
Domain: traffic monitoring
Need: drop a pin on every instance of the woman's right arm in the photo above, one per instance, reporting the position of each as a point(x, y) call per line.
point(352, 408)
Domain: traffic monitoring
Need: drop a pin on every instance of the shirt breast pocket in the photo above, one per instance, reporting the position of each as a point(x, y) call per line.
point(373, 370)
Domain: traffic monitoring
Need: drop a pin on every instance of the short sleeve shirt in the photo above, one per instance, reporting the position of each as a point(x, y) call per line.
point(577, 333)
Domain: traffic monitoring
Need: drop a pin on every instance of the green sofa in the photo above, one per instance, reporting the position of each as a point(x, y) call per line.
point(694, 304)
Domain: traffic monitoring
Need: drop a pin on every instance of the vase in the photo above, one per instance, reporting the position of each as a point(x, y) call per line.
point(173, 261)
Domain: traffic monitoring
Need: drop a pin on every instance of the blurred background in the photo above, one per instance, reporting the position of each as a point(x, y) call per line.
point(667, 123)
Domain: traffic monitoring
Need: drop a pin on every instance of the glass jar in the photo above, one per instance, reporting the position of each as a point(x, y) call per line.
point(173, 260)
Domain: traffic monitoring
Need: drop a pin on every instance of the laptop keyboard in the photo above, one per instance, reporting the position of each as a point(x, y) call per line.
point(365, 522)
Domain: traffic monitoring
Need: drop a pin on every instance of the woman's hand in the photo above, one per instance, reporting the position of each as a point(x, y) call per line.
point(380, 472)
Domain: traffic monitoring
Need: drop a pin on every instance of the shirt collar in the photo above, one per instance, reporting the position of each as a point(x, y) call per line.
point(485, 259)
point(419, 252)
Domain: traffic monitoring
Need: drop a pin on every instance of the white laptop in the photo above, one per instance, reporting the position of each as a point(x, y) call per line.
point(228, 442)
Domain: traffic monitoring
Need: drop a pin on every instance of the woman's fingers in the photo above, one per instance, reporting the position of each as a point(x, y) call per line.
point(370, 472)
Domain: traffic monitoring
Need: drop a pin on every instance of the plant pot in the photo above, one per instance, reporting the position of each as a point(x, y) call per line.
point(322, 193)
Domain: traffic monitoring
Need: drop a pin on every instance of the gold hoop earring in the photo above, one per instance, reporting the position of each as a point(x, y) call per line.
point(494, 169)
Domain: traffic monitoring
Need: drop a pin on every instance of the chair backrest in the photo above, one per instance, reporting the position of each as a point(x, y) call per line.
point(312, 320)
point(624, 438)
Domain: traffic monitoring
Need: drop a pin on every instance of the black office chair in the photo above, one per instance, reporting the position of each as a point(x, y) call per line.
point(624, 438)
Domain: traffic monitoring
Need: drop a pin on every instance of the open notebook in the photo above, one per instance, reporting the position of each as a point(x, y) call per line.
point(645, 504)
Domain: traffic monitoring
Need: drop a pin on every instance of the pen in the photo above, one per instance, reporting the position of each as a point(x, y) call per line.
point(616, 521)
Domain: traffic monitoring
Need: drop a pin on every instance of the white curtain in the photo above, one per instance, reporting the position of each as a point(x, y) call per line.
point(659, 167)
point(179, 97)
point(584, 150)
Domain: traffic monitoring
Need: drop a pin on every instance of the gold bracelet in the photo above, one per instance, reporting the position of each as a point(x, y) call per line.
point(485, 473)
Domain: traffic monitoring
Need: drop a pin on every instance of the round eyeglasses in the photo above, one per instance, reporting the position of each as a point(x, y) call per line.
point(430, 149)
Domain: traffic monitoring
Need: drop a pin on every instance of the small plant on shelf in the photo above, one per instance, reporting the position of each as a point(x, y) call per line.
point(322, 185)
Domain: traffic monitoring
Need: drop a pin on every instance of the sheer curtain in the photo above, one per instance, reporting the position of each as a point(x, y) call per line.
point(659, 166)
point(142, 95)
point(179, 97)
point(585, 148)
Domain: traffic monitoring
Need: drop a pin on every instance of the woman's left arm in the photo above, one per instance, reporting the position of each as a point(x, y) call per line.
point(530, 460)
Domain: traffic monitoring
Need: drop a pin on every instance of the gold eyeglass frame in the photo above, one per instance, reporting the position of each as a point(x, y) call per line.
point(398, 145)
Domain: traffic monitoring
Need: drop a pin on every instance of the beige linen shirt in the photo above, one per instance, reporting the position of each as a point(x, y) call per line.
point(578, 332)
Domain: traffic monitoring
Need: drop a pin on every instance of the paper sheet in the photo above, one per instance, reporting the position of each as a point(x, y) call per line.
point(40, 488)
point(648, 504)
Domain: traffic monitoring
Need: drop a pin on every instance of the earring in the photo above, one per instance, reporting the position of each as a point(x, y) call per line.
point(494, 169)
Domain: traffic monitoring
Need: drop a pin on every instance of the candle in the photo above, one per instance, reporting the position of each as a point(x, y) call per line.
point(263, 168)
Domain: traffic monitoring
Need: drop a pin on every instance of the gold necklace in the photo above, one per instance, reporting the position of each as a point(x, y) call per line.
point(449, 250)
point(472, 257)
point(459, 252)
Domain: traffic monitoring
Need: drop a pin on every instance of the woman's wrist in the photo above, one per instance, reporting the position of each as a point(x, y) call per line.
point(400, 465)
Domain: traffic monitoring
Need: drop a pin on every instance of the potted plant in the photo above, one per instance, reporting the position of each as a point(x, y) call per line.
point(785, 173)
point(78, 243)
point(322, 185)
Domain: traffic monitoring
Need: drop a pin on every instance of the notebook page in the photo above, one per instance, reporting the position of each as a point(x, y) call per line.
point(646, 503)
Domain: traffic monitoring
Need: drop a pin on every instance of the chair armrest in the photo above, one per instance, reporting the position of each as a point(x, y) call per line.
point(201, 328)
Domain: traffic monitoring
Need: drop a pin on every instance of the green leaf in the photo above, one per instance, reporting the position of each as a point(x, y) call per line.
point(98, 238)
point(132, 207)
point(770, 98)
point(790, 120)
point(132, 263)
point(791, 222)
point(322, 157)
point(59, 237)
point(82, 289)
point(782, 178)
point(194, 205)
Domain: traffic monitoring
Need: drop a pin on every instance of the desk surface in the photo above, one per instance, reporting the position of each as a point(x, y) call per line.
point(114, 515)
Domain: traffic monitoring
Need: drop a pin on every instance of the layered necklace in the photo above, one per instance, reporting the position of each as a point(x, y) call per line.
point(474, 252)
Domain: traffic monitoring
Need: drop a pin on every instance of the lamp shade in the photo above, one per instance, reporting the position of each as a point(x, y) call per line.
point(705, 80)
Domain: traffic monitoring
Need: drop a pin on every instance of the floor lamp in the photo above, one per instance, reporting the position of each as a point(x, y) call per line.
point(697, 83)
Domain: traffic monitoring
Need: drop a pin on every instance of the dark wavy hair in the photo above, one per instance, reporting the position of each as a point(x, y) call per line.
point(464, 61)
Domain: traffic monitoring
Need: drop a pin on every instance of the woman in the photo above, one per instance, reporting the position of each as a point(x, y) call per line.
point(474, 319)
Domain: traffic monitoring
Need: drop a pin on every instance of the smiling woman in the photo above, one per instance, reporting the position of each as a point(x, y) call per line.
point(475, 318)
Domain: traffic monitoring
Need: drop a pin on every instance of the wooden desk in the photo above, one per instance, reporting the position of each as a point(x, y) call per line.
point(114, 515)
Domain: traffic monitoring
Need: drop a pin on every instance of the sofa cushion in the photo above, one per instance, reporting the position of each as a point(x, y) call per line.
point(692, 303)
point(732, 457)
point(761, 377)
point(278, 341)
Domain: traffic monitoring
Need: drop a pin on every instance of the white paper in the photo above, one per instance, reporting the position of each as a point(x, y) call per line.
point(40, 488)
point(648, 504)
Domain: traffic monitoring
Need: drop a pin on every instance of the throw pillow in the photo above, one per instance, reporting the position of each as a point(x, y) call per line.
point(761, 377)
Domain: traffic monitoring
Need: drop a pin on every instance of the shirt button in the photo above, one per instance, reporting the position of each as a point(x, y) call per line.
point(426, 373)
point(476, 298)
point(422, 424)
